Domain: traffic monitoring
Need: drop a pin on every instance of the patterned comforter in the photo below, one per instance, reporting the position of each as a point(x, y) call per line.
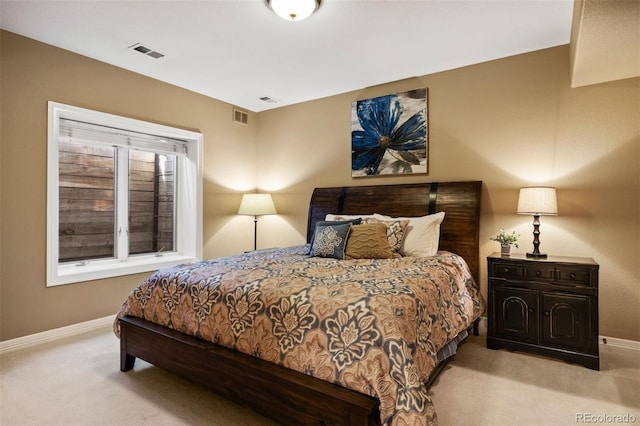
point(373, 326)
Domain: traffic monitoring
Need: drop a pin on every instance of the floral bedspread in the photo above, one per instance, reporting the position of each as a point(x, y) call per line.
point(373, 326)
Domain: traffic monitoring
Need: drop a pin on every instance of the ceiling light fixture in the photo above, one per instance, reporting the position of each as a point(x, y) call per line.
point(293, 10)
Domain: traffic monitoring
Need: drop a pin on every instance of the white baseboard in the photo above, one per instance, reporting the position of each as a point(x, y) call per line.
point(614, 342)
point(55, 334)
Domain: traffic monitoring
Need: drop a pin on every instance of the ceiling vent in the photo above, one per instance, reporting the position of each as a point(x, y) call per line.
point(147, 51)
point(240, 117)
point(269, 99)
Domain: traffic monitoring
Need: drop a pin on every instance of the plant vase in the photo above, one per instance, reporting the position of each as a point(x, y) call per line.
point(505, 249)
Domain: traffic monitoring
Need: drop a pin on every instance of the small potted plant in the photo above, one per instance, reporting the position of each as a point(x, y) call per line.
point(506, 241)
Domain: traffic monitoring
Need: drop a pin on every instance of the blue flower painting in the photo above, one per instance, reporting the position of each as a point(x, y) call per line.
point(389, 134)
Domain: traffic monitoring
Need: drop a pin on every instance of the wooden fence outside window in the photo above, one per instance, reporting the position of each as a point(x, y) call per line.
point(87, 202)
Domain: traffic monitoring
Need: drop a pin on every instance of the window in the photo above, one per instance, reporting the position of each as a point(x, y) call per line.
point(123, 196)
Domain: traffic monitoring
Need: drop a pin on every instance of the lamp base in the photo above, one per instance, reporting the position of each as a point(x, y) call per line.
point(536, 255)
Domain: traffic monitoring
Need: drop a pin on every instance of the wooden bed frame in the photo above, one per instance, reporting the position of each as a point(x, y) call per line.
point(285, 395)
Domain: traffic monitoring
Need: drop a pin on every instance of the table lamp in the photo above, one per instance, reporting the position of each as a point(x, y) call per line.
point(537, 201)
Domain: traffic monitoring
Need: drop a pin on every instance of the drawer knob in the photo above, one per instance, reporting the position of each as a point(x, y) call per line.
point(572, 276)
point(538, 273)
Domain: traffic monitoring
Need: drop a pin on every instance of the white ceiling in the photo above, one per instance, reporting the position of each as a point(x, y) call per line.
point(238, 50)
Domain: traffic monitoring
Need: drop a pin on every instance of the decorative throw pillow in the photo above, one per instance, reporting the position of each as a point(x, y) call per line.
point(368, 241)
point(422, 235)
point(330, 239)
point(395, 231)
point(395, 228)
point(355, 221)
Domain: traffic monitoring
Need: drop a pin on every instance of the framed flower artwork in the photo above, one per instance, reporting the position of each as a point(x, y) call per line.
point(389, 134)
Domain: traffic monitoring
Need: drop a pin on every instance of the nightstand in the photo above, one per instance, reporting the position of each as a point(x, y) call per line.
point(547, 306)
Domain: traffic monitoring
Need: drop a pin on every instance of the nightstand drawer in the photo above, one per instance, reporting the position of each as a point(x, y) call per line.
point(574, 276)
point(506, 270)
point(540, 272)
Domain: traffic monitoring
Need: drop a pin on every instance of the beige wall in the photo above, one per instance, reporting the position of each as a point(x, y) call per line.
point(510, 123)
point(33, 73)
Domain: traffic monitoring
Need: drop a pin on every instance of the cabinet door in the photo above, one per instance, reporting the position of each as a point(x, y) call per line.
point(565, 321)
point(515, 313)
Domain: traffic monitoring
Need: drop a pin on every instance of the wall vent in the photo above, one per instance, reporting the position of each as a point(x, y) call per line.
point(240, 117)
point(146, 51)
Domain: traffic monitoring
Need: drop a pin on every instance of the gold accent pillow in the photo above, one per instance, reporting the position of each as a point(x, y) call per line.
point(395, 231)
point(368, 241)
point(396, 228)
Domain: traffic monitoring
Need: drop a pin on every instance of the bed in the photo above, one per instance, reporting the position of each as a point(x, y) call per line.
point(314, 350)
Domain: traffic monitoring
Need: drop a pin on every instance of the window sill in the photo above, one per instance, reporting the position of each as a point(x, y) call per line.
point(99, 269)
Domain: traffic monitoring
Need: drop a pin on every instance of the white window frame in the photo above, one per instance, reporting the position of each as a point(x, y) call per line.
point(188, 228)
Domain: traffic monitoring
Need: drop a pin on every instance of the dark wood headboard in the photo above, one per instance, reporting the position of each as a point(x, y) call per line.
point(459, 232)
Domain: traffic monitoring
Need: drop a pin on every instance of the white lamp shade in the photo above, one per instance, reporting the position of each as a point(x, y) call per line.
point(257, 205)
point(293, 10)
point(538, 200)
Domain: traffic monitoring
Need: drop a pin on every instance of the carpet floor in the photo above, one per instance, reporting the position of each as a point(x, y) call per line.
point(77, 381)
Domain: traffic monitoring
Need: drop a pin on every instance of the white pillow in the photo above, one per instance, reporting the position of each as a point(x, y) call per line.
point(422, 235)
